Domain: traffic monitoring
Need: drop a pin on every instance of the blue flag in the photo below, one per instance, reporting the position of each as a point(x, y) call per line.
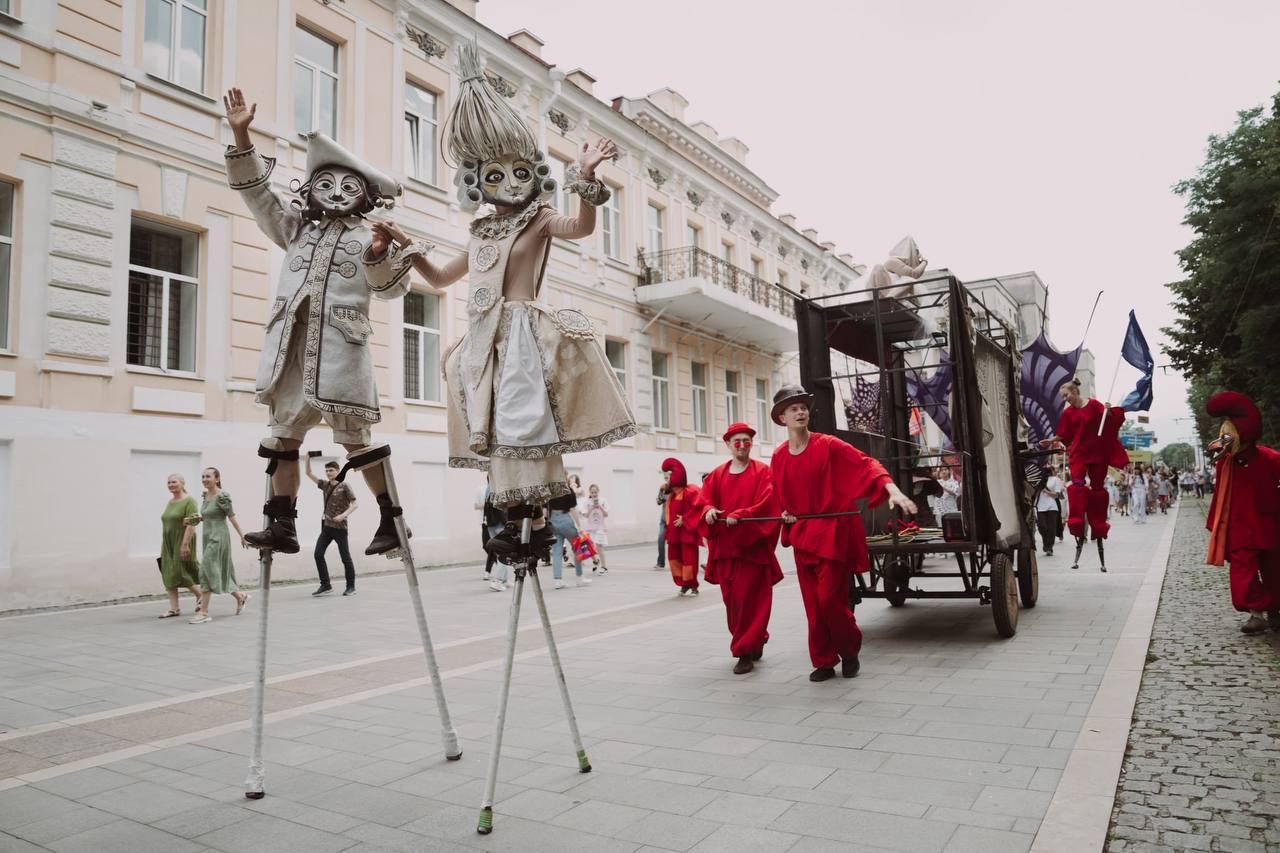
point(1137, 353)
point(1044, 369)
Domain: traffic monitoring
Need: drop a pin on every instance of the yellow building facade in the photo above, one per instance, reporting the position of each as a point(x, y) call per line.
point(134, 284)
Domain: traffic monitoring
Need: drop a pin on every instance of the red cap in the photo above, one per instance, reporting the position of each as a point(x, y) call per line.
point(1240, 410)
point(739, 427)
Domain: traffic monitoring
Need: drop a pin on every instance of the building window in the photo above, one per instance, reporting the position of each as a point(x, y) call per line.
point(731, 408)
point(692, 236)
point(699, 388)
point(161, 331)
point(174, 40)
point(757, 268)
point(617, 354)
point(611, 224)
point(559, 169)
point(782, 278)
point(6, 258)
point(419, 133)
point(422, 347)
point(726, 252)
point(315, 84)
point(763, 406)
point(661, 395)
point(655, 229)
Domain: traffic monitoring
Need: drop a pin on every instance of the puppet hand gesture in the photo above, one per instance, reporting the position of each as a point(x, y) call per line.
point(594, 155)
point(239, 116)
point(384, 234)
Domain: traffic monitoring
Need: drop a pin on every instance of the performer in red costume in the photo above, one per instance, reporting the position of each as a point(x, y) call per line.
point(1089, 452)
point(680, 514)
point(741, 558)
point(1244, 515)
point(815, 473)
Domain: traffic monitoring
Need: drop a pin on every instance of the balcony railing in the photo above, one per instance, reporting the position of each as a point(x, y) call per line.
point(692, 262)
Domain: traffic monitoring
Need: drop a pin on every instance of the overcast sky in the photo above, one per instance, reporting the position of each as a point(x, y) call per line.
point(1004, 135)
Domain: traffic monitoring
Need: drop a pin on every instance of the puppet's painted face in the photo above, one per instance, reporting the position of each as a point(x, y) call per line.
point(1227, 443)
point(510, 181)
point(338, 191)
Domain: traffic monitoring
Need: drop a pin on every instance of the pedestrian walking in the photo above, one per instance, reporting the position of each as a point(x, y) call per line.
point(564, 531)
point(1199, 484)
point(217, 570)
point(741, 555)
point(339, 503)
point(815, 474)
point(680, 517)
point(492, 522)
point(179, 567)
point(1163, 491)
point(663, 495)
point(595, 517)
point(949, 500)
point(1138, 497)
point(1048, 514)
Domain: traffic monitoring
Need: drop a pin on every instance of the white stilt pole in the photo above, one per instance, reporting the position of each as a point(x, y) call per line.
point(485, 826)
point(450, 737)
point(584, 766)
point(253, 783)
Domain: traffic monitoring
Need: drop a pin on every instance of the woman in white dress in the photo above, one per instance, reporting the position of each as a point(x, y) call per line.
point(1138, 497)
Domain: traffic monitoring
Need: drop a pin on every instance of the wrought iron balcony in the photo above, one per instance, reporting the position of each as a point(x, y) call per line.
point(691, 262)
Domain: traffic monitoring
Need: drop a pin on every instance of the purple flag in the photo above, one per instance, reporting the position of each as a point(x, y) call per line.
point(1044, 370)
point(934, 394)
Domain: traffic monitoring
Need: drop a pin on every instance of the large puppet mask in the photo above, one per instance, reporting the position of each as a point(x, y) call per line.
point(337, 191)
point(1227, 443)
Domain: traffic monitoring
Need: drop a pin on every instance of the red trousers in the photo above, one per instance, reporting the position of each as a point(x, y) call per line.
point(1255, 580)
point(682, 559)
point(833, 632)
point(747, 591)
point(1088, 501)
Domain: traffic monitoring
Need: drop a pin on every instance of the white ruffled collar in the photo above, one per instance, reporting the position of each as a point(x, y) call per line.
point(496, 227)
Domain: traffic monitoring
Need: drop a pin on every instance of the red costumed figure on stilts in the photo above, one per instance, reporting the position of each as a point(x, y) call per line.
point(680, 515)
point(1244, 515)
point(741, 558)
point(816, 474)
point(1090, 431)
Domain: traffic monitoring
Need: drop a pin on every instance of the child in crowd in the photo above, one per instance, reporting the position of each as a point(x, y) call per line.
point(595, 514)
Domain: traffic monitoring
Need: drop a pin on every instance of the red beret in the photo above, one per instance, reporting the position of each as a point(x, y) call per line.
point(734, 429)
point(1240, 410)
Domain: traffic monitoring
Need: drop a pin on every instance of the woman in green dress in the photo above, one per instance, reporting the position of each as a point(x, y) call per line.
point(217, 572)
point(178, 564)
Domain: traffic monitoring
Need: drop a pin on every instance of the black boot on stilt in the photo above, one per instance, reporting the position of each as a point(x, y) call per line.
point(1102, 557)
point(280, 536)
point(1079, 548)
point(385, 538)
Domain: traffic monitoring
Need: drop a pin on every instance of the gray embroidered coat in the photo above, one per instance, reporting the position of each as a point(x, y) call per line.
point(328, 267)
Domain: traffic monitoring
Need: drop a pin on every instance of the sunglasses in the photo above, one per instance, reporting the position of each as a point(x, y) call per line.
point(740, 442)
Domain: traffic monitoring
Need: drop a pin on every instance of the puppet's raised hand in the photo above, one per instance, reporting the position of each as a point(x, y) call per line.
point(593, 155)
point(239, 116)
point(384, 234)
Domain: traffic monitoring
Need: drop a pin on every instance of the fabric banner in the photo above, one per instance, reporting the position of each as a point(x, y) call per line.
point(1136, 352)
point(934, 394)
point(1044, 370)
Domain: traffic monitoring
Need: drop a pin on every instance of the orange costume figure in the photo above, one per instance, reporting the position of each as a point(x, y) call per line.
point(1244, 515)
point(679, 514)
point(741, 558)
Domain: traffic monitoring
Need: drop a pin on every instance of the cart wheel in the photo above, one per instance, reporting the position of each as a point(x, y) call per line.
point(1028, 577)
point(1004, 595)
point(897, 580)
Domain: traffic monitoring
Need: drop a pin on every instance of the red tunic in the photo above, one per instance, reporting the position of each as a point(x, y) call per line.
point(1253, 514)
point(748, 494)
point(830, 475)
point(1079, 429)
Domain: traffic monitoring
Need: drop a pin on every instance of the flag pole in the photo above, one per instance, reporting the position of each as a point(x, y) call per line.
point(1106, 407)
point(1092, 311)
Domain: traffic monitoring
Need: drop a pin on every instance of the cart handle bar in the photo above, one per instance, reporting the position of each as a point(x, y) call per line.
point(803, 517)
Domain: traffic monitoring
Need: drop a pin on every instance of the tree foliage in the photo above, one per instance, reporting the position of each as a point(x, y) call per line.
point(1178, 455)
point(1227, 336)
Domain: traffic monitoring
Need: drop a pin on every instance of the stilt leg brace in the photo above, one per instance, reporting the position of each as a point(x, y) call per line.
point(276, 457)
point(366, 457)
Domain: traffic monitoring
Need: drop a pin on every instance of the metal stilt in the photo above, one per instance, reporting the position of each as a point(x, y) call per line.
point(254, 782)
point(530, 570)
point(1102, 557)
point(1079, 547)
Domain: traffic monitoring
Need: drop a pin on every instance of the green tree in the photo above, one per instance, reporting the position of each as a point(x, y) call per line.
point(1178, 455)
point(1226, 336)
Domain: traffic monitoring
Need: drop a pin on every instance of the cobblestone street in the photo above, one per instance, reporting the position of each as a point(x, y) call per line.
point(1202, 769)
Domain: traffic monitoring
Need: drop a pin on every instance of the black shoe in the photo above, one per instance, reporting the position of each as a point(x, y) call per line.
point(324, 587)
point(744, 665)
point(280, 534)
point(1273, 620)
point(822, 673)
point(849, 667)
point(1049, 553)
point(385, 538)
point(757, 656)
point(506, 543)
point(351, 590)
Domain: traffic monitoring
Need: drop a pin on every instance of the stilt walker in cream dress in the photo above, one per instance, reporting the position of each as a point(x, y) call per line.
point(527, 383)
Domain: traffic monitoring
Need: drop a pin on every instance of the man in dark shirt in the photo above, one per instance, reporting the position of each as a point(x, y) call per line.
point(339, 503)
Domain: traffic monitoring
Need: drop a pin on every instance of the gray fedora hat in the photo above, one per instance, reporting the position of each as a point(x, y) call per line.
point(787, 395)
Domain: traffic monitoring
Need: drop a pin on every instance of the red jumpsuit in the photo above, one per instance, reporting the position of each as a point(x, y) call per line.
point(1089, 454)
point(741, 558)
point(829, 475)
point(682, 538)
point(1243, 519)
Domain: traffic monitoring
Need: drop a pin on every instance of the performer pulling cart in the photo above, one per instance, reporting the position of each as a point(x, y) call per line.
point(1244, 515)
point(1090, 432)
point(528, 383)
point(316, 364)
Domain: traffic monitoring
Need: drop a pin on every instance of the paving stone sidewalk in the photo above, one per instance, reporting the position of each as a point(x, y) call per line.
point(1202, 769)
